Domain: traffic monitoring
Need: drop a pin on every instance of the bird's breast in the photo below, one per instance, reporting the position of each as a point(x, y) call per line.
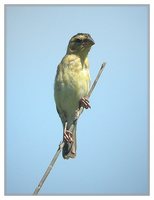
point(71, 84)
point(76, 81)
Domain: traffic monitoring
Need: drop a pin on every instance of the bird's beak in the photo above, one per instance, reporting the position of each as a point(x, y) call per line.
point(91, 41)
point(88, 42)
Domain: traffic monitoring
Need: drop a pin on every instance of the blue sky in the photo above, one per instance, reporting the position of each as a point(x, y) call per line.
point(112, 154)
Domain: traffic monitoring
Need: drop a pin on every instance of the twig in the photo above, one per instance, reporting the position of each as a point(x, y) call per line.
point(49, 168)
point(61, 145)
point(96, 79)
point(89, 93)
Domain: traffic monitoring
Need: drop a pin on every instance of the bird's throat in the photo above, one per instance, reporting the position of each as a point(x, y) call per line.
point(83, 55)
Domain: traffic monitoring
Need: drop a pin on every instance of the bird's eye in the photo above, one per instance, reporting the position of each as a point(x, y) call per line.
point(78, 40)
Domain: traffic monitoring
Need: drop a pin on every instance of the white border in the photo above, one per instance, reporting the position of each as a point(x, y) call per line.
point(3, 2)
point(76, 2)
point(1, 100)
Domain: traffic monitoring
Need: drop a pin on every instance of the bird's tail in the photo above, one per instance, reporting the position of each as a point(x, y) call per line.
point(69, 149)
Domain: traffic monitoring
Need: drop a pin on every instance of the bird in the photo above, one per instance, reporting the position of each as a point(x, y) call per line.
point(71, 87)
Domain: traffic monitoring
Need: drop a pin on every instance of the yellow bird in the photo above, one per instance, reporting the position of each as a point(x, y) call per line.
point(71, 87)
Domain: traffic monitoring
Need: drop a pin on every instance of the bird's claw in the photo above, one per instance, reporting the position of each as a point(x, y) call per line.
point(84, 102)
point(68, 136)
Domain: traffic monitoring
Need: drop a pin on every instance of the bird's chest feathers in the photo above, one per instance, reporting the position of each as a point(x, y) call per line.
point(76, 78)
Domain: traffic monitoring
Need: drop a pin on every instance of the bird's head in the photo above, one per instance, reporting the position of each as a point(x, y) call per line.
point(80, 44)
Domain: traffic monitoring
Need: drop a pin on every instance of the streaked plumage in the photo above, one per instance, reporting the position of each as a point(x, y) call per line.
point(71, 84)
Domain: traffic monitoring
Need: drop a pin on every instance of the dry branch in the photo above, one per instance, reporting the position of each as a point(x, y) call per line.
point(61, 145)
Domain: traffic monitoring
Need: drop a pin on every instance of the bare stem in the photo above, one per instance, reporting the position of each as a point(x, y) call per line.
point(90, 92)
point(49, 168)
point(61, 145)
point(96, 79)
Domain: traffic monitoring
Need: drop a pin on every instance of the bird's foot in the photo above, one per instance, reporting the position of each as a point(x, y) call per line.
point(84, 102)
point(68, 136)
